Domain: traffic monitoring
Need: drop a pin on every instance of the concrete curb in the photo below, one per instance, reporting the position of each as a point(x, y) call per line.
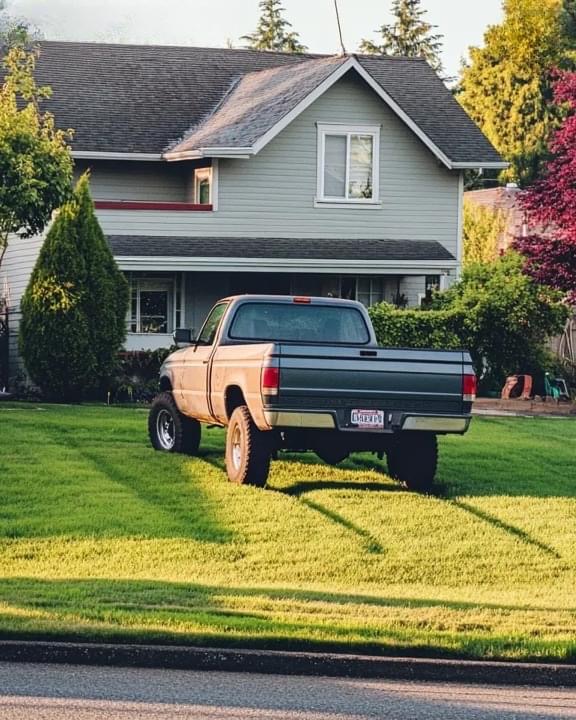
point(289, 663)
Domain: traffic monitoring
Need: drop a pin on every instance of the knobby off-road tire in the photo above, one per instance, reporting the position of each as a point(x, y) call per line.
point(169, 430)
point(248, 450)
point(413, 460)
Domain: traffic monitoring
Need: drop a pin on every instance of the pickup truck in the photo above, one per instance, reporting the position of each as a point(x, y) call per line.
point(306, 374)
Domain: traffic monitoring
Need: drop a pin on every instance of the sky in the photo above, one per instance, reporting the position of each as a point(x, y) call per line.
point(213, 23)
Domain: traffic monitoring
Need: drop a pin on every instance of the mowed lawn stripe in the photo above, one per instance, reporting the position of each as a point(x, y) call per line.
point(101, 537)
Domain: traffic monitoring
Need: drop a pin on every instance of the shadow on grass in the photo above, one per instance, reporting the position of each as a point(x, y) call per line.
point(158, 612)
point(507, 528)
point(298, 488)
point(162, 498)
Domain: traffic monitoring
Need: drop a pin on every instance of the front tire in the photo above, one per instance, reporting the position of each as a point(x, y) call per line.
point(248, 450)
point(413, 460)
point(169, 430)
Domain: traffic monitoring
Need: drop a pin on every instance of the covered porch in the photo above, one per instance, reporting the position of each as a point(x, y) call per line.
point(171, 291)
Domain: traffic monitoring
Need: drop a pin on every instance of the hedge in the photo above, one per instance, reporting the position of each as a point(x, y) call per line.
point(435, 329)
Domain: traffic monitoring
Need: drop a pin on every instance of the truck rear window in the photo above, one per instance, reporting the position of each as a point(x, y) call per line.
point(284, 322)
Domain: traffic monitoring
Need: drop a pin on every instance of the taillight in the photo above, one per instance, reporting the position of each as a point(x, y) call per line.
point(469, 387)
point(270, 380)
point(302, 300)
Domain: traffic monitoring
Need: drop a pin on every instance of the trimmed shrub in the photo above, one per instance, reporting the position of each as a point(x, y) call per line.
point(434, 329)
point(74, 308)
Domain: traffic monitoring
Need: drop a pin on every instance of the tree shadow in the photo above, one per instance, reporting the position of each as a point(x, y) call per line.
point(143, 611)
point(106, 489)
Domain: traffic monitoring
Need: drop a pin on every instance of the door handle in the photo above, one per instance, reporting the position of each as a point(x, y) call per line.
point(205, 362)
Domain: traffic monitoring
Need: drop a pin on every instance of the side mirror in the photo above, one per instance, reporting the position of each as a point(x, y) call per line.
point(182, 336)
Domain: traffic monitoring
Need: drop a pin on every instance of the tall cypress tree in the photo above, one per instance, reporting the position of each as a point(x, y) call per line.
point(54, 331)
point(107, 294)
point(409, 35)
point(75, 305)
point(273, 31)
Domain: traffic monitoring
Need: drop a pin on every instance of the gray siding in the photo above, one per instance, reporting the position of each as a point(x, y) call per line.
point(16, 269)
point(144, 181)
point(17, 266)
point(273, 193)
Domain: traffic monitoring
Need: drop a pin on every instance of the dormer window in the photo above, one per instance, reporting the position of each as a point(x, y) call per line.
point(203, 186)
point(348, 164)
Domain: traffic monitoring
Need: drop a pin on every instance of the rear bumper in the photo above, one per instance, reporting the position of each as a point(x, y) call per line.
point(299, 419)
point(328, 420)
point(457, 424)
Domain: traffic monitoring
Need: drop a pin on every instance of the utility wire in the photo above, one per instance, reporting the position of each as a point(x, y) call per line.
point(339, 27)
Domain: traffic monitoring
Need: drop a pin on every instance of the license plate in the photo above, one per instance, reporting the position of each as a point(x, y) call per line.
point(368, 419)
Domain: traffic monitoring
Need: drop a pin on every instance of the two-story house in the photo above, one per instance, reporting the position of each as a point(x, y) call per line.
point(223, 171)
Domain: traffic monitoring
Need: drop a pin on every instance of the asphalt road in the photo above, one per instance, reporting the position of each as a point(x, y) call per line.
point(65, 692)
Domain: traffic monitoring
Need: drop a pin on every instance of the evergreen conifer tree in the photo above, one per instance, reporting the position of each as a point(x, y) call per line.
point(74, 308)
point(106, 296)
point(273, 31)
point(54, 332)
point(409, 35)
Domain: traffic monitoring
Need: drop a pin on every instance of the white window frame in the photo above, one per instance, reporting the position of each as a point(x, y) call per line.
point(204, 173)
point(325, 129)
point(173, 284)
point(372, 292)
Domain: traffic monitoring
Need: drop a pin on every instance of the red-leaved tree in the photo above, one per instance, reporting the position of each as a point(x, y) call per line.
point(550, 203)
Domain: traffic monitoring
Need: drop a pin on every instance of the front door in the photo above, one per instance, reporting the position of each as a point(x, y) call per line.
point(195, 378)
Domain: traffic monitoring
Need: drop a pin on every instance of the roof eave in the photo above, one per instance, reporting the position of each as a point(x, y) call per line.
point(480, 165)
point(241, 153)
point(107, 155)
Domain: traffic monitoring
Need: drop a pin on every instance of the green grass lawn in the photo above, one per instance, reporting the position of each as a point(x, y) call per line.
point(103, 538)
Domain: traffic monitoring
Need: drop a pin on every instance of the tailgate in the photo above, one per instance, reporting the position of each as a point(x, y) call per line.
point(346, 378)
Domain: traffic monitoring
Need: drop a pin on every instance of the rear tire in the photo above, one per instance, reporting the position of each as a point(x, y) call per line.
point(248, 450)
point(413, 460)
point(169, 430)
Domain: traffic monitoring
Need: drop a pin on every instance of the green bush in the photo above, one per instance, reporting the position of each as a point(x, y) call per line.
point(497, 312)
point(74, 308)
point(506, 318)
point(135, 377)
point(395, 327)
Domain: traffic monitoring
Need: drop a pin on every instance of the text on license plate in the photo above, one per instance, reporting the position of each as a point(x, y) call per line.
point(368, 418)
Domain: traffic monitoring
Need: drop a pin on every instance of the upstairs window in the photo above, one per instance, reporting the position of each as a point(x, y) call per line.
point(203, 186)
point(348, 164)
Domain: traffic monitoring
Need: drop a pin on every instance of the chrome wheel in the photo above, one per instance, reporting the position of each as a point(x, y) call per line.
point(165, 430)
point(237, 447)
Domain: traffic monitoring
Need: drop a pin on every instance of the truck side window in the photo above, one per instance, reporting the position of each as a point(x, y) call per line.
point(210, 328)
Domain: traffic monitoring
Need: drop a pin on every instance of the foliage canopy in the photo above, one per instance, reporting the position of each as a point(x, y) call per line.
point(35, 160)
point(551, 253)
point(482, 229)
point(505, 87)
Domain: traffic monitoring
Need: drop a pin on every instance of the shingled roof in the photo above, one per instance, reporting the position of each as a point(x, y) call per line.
point(257, 102)
point(278, 248)
point(145, 99)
